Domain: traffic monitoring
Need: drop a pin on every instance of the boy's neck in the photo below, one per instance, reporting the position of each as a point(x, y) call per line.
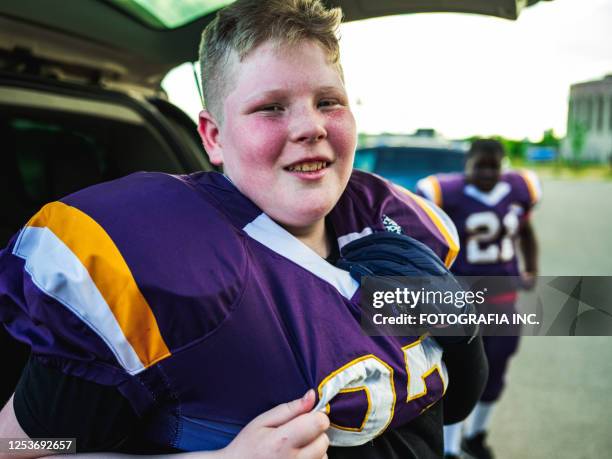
point(314, 236)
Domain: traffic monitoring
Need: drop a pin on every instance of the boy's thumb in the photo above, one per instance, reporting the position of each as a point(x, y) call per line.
point(285, 412)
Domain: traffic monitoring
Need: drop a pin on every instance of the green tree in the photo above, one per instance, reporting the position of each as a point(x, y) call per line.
point(577, 136)
point(549, 139)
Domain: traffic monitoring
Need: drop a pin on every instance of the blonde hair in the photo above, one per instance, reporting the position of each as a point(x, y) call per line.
point(246, 24)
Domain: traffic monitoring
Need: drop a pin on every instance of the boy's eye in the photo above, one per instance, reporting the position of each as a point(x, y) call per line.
point(328, 103)
point(273, 108)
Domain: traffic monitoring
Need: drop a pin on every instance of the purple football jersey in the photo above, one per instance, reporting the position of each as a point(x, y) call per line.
point(204, 312)
point(487, 223)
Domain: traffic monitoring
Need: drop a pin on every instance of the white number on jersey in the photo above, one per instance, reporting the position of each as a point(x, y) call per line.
point(483, 229)
point(375, 377)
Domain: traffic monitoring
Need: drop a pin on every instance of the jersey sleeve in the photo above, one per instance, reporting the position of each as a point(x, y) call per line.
point(533, 188)
point(66, 291)
point(371, 203)
point(443, 237)
point(429, 188)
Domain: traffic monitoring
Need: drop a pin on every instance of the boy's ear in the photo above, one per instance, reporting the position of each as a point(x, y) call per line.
point(209, 133)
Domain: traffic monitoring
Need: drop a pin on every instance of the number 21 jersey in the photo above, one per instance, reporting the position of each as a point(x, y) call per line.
point(487, 222)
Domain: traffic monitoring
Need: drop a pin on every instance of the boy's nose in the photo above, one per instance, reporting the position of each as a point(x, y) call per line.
point(307, 127)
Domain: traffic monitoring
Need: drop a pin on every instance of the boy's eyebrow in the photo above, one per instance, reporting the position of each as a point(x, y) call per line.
point(282, 92)
point(331, 88)
point(266, 94)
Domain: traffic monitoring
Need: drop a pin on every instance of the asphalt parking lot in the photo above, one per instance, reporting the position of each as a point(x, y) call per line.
point(558, 401)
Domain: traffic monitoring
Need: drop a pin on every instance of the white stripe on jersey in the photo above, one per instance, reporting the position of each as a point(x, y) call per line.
point(447, 222)
point(269, 233)
point(350, 237)
point(57, 272)
point(425, 185)
point(534, 185)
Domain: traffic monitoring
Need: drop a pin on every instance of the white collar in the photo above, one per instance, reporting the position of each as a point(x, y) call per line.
point(269, 233)
point(490, 198)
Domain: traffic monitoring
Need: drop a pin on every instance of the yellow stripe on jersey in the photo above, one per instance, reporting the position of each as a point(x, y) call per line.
point(96, 251)
point(437, 190)
point(451, 242)
point(532, 185)
point(430, 186)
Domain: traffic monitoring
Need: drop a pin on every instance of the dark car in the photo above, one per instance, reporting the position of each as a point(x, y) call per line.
point(81, 100)
point(406, 165)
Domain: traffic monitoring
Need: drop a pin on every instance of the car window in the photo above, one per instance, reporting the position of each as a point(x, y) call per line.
point(169, 15)
point(419, 158)
point(47, 155)
point(406, 165)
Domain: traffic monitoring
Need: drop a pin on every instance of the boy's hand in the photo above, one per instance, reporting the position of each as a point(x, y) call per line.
point(528, 280)
point(289, 430)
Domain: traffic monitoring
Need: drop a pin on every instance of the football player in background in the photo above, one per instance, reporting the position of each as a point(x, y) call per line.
point(167, 313)
point(491, 209)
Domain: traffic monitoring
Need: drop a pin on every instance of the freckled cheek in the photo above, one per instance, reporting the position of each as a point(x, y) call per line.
point(263, 141)
point(342, 133)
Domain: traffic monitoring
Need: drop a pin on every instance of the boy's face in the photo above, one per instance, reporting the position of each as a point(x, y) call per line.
point(483, 170)
point(288, 136)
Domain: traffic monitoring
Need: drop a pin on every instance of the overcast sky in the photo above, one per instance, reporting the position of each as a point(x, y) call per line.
point(465, 74)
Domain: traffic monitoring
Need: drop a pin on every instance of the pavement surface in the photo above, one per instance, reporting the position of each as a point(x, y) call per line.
point(558, 398)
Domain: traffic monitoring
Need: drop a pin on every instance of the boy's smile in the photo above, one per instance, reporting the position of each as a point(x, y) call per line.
point(310, 168)
point(288, 136)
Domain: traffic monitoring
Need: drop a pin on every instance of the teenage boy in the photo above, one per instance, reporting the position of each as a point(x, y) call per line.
point(174, 310)
point(491, 210)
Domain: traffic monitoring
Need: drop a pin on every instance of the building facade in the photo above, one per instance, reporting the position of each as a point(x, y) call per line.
point(589, 121)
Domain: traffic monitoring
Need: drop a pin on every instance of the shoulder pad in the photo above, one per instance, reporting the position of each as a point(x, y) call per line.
point(429, 187)
point(441, 188)
point(372, 204)
point(526, 185)
point(120, 255)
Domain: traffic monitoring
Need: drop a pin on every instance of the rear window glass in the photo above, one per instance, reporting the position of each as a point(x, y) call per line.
point(384, 160)
point(50, 155)
point(42, 149)
point(406, 165)
point(164, 14)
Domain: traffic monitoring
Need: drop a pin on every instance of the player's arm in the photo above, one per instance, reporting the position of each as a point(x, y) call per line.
point(528, 247)
point(529, 251)
point(48, 403)
point(467, 368)
point(289, 430)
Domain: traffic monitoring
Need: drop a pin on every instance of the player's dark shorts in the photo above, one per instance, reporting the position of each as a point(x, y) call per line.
point(499, 349)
